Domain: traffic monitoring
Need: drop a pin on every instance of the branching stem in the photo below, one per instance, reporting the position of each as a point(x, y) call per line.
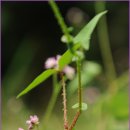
point(74, 120)
point(79, 94)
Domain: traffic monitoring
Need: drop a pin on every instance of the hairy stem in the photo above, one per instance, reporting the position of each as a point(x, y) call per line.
point(79, 94)
point(64, 102)
point(74, 120)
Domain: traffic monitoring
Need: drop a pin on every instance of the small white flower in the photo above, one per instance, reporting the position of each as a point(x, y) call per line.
point(28, 122)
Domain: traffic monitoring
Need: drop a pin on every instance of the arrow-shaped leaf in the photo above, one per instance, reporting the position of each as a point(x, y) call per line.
point(84, 35)
point(81, 39)
point(42, 77)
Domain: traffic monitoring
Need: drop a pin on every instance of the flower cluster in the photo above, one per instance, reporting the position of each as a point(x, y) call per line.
point(52, 62)
point(32, 122)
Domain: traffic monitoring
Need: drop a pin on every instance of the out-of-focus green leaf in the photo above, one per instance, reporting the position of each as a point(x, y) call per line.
point(89, 71)
point(119, 105)
point(84, 35)
point(84, 106)
point(42, 77)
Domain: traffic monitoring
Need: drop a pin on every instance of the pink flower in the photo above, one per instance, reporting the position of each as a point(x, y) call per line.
point(69, 71)
point(34, 119)
point(20, 129)
point(50, 63)
point(32, 122)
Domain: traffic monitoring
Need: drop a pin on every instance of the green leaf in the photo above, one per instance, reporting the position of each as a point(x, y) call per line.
point(42, 77)
point(66, 58)
point(84, 106)
point(84, 35)
point(82, 38)
point(119, 105)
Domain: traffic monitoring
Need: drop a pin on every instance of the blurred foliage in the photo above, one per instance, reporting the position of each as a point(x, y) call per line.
point(89, 70)
point(30, 35)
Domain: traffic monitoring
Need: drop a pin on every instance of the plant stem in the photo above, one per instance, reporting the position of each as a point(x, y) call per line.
point(55, 92)
point(79, 93)
point(74, 120)
point(62, 24)
point(79, 83)
point(64, 102)
point(105, 44)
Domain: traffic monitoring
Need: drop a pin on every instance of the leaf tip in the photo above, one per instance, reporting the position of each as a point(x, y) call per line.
point(18, 96)
point(104, 12)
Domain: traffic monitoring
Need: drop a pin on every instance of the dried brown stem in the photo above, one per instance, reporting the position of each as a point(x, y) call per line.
point(74, 120)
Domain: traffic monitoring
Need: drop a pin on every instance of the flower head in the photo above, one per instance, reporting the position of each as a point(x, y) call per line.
point(32, 122)
point(34, 119)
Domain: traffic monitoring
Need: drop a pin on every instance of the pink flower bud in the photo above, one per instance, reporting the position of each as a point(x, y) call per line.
point(54, 62)
point(69, 71)
point(50, 63)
